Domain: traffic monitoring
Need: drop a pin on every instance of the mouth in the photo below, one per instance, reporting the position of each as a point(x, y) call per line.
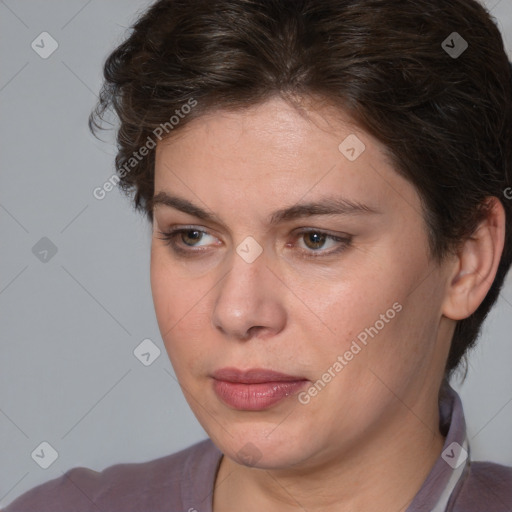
point(255, 389)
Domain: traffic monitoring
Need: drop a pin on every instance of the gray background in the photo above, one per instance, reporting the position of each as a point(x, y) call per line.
point(69, 325)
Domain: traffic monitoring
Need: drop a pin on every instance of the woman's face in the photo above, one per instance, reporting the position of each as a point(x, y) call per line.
point(348, 303)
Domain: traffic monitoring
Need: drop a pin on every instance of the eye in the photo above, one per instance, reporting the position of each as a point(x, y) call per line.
point(191, 236)
point(314, 239)
point(180, 239)
point(319, 243)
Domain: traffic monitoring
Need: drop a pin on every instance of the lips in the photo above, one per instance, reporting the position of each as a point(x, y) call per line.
point(253, 376)
point(255, 389)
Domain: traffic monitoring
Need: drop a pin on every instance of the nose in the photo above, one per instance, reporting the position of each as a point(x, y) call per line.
point(249, 301)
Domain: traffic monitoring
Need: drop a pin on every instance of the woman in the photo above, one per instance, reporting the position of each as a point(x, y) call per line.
point(327, 185)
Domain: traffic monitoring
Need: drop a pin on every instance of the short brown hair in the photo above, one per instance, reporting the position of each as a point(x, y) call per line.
point(446, 120)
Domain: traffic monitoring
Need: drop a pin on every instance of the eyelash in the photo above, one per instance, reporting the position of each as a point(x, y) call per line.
point(169, 238)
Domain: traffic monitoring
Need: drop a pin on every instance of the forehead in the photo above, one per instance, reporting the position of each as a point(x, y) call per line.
point(273, 152)
point(283, 129)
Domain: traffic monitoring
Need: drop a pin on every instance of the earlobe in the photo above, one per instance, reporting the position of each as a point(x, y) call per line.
point(476, 264)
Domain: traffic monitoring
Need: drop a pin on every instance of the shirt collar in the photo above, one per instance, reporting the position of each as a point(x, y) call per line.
point(453, 463)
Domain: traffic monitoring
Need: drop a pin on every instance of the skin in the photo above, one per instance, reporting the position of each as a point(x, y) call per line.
point(369, 438)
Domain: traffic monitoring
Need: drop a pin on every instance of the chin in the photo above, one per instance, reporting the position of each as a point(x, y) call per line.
point(264, 445)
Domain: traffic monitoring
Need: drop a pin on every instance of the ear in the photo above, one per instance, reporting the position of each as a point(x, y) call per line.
point(476, 264)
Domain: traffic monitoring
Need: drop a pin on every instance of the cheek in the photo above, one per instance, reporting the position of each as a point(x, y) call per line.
point(164, 292)
point(180, 307)
point(368, 313)
point(174, 294)
point(170, 297)
point(353, 300)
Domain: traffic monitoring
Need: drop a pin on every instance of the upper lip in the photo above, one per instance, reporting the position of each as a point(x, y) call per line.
point(253, 376)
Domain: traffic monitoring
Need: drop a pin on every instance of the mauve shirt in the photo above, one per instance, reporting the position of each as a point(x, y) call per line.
point(183, 481)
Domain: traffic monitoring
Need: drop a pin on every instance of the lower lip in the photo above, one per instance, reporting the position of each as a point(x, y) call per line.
point(255, 397)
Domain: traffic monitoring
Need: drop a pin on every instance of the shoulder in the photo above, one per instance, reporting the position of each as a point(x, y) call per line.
point(488, 486)
point(154, 485)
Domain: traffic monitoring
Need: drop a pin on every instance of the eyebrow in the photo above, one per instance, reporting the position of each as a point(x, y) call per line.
point(323, 206)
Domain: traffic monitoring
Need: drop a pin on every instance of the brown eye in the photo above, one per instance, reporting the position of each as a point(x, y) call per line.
point(314, 240)
point(190, 236)
point(188, 240)
point(314, 243)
